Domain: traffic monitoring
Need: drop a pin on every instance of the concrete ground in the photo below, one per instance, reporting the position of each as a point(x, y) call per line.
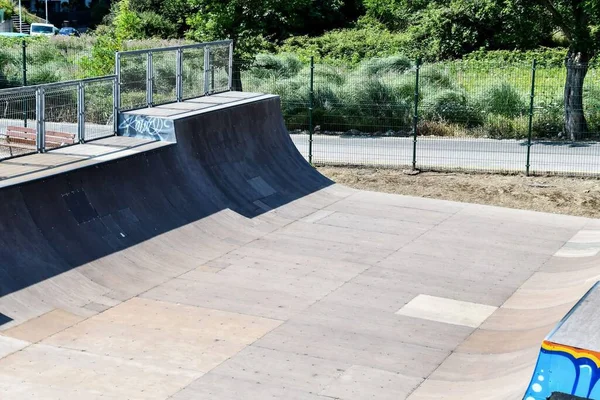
point(341, 294)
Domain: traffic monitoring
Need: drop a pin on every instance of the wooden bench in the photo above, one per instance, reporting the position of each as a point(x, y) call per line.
point(25, 138)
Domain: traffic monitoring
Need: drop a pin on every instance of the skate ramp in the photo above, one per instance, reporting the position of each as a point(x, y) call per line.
point(223, 266)
point(569, 358)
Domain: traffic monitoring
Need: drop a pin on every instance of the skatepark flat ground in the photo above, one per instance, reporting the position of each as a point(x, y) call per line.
point(222, 266)
point(306, 302)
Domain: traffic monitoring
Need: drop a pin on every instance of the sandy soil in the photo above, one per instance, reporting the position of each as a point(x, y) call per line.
point(562, 195)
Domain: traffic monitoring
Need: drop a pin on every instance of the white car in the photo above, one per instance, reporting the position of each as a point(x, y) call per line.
point(43, 30)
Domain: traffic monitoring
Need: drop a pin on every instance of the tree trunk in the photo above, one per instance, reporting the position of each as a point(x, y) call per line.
point(237, 78)
point(577, 67)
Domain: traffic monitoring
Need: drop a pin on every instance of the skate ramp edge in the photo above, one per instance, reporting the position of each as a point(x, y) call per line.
point(568, 365)
point(158, 123)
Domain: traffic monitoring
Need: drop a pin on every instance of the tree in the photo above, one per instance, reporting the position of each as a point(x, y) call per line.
point(255, 24)
point(579, 21)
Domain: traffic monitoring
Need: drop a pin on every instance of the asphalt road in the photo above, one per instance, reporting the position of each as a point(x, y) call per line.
point(454, 153)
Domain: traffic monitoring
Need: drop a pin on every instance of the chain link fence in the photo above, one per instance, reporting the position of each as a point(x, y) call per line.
point(452, 116)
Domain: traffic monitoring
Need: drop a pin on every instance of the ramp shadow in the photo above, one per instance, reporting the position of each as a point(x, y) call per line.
point(239, 158)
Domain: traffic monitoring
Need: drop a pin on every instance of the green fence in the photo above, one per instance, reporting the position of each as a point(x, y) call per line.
point(471, 116)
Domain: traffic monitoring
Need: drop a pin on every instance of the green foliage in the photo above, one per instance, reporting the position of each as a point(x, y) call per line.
point(8, 7)
point(346, 46)
point(502, 100)
point(101, 62)
point(155, 25)
point(127, 24)
point(283, 66)
point(451, 106)
point(393, 64)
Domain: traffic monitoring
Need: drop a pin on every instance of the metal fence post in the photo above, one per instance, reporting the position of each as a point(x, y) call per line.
point(116, 104)
point(40, 119)
point(231, 66)
point(24, 60)
point(81, 112)
point(531, 105)
point(416, 115)
point(149, 80)
point(179, 83)
point(206, 70)
point(311, 97)
point(117, 92)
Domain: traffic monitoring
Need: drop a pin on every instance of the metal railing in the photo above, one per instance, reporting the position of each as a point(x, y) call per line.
point(43, 117)
point(151, 77)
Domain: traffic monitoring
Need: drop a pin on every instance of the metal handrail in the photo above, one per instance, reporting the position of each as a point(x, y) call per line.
point(178, 71)
point(33, 88)
point(174, 48)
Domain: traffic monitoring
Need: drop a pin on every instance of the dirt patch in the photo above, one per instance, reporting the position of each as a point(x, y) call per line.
point(561, 195)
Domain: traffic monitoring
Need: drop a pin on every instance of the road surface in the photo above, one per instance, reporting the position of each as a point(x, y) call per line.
point(454, 153)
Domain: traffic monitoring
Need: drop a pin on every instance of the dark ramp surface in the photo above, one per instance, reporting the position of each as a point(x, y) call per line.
point(222, 266)
point(238, 158)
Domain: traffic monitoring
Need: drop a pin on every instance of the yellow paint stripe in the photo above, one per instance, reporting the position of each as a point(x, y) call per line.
point(575, 352)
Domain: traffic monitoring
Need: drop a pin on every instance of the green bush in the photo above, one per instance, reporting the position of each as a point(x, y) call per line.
point(43, 74)
point(503, 100)
point(281, 66)
point(435, 77)
point(503, 127)
point(451, 106)
point(378, 66)
point(347, 45)
point(548, 120)
point(8, 7)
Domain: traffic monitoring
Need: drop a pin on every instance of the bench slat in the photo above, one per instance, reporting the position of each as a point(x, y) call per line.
point(48, 133)
point(49, 138)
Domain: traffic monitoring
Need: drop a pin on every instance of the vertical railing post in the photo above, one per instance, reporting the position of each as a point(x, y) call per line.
point(416, 115)
point(231, 66)
point(117, 92)
point(179, 84)
point(24, 62)
point(531, 106)
point(149, 80)
point(81, 112)
point(116, 106)
point(206, 70)
point(311, 99)
point(40, 116)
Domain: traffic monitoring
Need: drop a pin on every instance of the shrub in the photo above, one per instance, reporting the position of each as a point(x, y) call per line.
point(503, 127)
point(347, 45)
point(592, 110)
point(503, 100)
point(8, 7)
point(283, 66)
point(378, 66)
point(451, 106)
point(548, 120)
point(44, 74)
point(435, 77)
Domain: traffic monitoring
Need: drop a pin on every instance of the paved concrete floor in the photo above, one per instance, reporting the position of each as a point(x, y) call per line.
point(341, 294)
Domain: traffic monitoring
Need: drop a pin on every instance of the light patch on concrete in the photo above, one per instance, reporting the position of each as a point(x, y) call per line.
point(10, 345)
point(360, 382)
point(47, 372)
point(46, 325)
point(448, 311)
point(585, 243)
point(165, 335)
point(317, 216)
